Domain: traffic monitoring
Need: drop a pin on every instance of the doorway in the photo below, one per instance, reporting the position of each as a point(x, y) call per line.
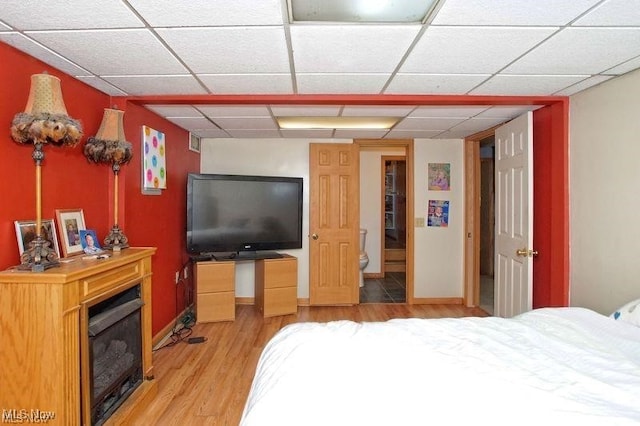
point(487, 223)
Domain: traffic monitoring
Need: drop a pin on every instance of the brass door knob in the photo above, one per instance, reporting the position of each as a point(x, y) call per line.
point(314, 236)
point(526, 252)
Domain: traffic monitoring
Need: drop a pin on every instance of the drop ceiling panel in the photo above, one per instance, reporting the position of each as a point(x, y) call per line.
point(242, 84)
point(508, 12)
point(462, 111)
point(253, 134)
point(193, 122)
point(104, 52)
point(102, 85)
point(164, 13)
point(362, 134)
point(350, 48)
point(375, 110)
point(230, 50)
point(305, 110)
point(419, 123)
point(175, 110)
point(157, 85)
point(341, 83)
point(449, 84)
point(580, 51)
point(525, 85)
point(4, 27)
point(625, 67)
point(214, 111)
point(266, 123)
point(506, 112)
point(408, 134)
point(613, 12)
point(210, 133)
point(471, 50)
point(67, 14)
point(475, 125)
point(584, 84)
point(34, 49)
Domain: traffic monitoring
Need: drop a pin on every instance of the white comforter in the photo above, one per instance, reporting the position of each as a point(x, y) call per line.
point(555, 366)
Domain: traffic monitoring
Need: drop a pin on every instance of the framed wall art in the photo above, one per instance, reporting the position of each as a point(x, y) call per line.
point(70, 223)
point(154, 159)
point(194, 143)
point(439, 176)
point(26, 232)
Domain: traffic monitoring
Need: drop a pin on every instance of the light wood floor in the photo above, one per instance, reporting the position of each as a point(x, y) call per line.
point(208, 383)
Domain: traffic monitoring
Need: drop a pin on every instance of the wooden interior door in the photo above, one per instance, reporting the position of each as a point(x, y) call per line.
point(334, 174)
point(514, 217)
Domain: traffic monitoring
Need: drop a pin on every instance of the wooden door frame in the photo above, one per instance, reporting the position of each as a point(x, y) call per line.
point(407, 146)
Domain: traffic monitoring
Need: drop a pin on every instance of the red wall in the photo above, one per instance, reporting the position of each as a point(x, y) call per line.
point(69, 181)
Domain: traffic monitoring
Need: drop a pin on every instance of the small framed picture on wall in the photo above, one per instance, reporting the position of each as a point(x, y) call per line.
point(194, 143)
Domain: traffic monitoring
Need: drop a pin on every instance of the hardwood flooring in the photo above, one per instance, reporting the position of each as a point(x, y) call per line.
point(208, 383)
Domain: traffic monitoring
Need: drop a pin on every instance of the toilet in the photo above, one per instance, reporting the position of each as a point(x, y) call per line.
point(364, 259)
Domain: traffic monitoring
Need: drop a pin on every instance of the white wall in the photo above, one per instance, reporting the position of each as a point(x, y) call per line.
point(438, 251)
point(439, 271)
point(604, 195)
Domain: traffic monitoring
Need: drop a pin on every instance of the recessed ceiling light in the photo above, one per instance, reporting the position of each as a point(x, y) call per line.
point(398, 11)
point(337, 122)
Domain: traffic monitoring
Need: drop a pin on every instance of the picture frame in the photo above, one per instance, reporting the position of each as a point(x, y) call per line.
point(70, 223)
point(89, 241)
point(194, 143)
point(439, 175)
point(26, 232)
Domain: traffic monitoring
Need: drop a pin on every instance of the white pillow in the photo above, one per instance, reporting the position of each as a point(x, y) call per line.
point(628, 313)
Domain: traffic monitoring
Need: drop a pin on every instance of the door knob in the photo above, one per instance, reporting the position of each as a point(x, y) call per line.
point(314, 236)
point(526, 252)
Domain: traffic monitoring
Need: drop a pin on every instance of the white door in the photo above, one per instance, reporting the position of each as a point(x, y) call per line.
point(514, 217)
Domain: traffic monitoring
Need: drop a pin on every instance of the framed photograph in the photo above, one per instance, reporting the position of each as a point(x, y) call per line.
point(26, 232)
point(438, 213)
point(70, 223)
point(439, 176)
point(89, 241)
point(194, 143)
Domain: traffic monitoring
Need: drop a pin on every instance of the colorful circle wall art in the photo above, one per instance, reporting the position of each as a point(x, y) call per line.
point(155, 161)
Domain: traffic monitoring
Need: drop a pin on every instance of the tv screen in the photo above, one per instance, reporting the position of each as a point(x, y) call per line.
point(243, 214)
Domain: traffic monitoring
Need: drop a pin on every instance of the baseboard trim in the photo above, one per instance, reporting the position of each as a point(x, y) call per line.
point(437, 300)
point(303, 302)
point(245, 300)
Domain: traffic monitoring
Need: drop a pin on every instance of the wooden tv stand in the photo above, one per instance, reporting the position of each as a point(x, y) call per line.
point(276, 288)
point(44, 361)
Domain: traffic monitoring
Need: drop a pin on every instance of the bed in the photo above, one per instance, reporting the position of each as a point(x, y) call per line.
point(553, 365)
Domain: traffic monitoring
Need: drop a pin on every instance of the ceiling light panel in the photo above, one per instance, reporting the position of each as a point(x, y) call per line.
point(359, 10)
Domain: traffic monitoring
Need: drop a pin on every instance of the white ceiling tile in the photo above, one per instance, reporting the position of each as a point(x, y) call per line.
point(174, 110)
point(625, 67)
point(193, 123)
point(526, 85)
point(311, 134)
point(36, 50)
point(377, 110)
point(67, 14)
point(257, 134)
point(419, 123)
point(454, 134)
point(613, 13)
point(508, 12)
point(475, 125)
point(462, 111)
point(104, 52)
point(584, 84)
point(360, 134)
point(171, 13)
point(238, 123)
point(102, 85)
point(430, 84)
point(305, 110)
point(350, 48)
point(341, 83)
point(580, 51)
point(215, 111)
point(157, 85)
point(409, 134)
point(503, 113)
point(248, 83)
point(4, 27)
point(471, 50)
point(230, 50)
point(210, 133)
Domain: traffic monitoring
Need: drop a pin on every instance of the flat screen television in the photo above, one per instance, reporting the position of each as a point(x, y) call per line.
point(241, 216)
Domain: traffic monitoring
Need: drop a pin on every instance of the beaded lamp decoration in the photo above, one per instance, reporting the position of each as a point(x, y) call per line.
point(109, 146)
point(44, 121)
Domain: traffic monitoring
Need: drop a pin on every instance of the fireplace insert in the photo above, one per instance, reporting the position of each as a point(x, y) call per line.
point(115, 342)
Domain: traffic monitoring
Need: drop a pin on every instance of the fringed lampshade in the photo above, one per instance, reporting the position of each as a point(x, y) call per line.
point(109, 146)
point(44, 121)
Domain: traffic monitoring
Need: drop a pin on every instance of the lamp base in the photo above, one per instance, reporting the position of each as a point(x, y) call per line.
point(39, 256)
point(116, 239)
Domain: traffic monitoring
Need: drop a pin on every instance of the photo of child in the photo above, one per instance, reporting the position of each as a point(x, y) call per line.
point(89, 242)
point(439, 176)
point(438, 213)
